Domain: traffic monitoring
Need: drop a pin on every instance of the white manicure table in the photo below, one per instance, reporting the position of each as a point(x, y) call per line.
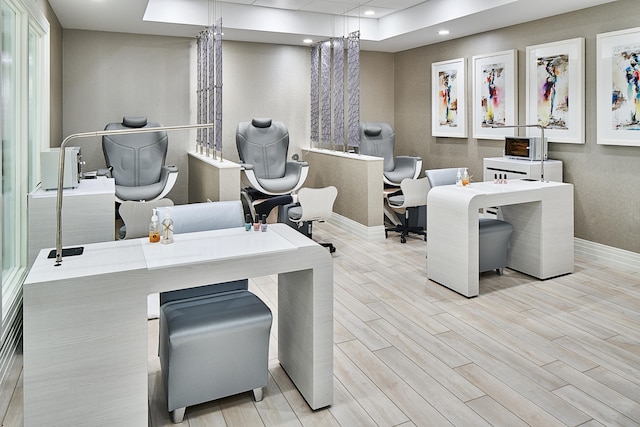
point(85, 322)
point(542, 243)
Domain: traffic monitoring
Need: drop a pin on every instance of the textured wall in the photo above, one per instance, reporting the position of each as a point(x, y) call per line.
point(110, 75)
point(607, 200)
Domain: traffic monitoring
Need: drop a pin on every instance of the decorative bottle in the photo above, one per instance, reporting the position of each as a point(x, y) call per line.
point(458, 178)
point(465, 177)
point(167, 228)
point(154, 228)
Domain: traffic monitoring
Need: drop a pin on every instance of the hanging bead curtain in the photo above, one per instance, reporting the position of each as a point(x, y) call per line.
point(328, 100)
point(209, 93)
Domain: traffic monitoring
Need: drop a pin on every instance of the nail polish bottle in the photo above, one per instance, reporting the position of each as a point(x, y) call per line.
point(256, 223)
point(247, 222)
point(264, 223)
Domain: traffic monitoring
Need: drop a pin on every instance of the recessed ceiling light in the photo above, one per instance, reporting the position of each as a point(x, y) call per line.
point(307, 41)
point(369, 12)
point(443, 32)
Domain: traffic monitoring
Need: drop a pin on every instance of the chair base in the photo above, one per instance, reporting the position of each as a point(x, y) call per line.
point(330, 246)
point(404, 232)
point(177, 415)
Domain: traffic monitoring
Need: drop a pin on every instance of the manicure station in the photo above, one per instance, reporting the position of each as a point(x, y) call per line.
point(494, 234)
point(541, 214)
point(85, 321)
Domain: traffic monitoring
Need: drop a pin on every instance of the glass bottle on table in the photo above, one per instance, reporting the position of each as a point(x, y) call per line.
point(465, 177)
point(167, 228)
point(154, 228)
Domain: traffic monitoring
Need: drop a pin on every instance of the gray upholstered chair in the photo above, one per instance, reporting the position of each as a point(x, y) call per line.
point(214, 340)
point(446, 176)
point(414, 196)
point(262, 147)
point(378, 139)
point(314, 204)
point(136, 162)
point(494, 234)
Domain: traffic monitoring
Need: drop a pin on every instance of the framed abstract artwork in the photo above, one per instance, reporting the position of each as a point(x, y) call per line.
point(555, 90)
point(495, 94)
point(448, 116)
point(618, 62)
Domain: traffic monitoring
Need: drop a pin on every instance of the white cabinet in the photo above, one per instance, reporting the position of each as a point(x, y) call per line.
point(519, 169)
point(88, 215)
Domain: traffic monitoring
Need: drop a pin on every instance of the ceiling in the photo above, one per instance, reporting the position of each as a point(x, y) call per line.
point(396, 25)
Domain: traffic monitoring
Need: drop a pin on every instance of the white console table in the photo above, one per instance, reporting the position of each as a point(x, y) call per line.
point(85, 322)
point(88, 215)
point(541, 244)
point(521, 169)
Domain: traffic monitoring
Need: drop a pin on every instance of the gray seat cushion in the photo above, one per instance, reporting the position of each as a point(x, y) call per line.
point(213, 346)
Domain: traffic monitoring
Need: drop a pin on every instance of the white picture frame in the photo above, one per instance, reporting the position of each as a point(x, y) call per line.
point(618, 91)
point(448, 93)
point(555, 90)
point(495, 94)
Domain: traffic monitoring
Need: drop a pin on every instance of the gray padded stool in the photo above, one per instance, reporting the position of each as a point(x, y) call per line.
point(494, 237)
point(213, 346)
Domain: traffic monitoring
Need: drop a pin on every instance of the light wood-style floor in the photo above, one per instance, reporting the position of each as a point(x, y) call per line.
point(409, 352)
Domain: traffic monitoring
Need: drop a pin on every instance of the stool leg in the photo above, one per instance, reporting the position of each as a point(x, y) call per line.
point(177, 415)
point(257, 394)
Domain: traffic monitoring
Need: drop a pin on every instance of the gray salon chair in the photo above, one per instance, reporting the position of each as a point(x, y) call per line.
point(262, 147)
point(214, 340)
point(378, 139)
point(494, 234)
point(410, 202)
point(136, 162)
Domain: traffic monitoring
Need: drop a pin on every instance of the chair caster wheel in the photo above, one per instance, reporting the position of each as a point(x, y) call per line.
point(403, 240)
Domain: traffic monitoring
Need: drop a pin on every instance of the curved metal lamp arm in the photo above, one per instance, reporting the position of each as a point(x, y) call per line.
point(100, 133)
point(544, 154)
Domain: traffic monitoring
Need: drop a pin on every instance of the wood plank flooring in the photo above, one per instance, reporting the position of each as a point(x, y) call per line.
point(409, 352)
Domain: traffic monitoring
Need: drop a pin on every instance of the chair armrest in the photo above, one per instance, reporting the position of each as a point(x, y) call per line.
point(104, 172)
point(300, 168)
point(246, 166)
point(168, 175)
point(411, 163)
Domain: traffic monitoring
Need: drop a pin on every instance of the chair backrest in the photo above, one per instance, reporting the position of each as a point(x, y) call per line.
point(135, 159)
point(136, 216)
point(317, 203)
point(446, 176)
point(378, 139)
point(414, 192)
point(201, 217)
point(205, 216)
point(263, 143)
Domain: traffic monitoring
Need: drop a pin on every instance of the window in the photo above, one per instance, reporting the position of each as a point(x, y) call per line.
point(24, 131)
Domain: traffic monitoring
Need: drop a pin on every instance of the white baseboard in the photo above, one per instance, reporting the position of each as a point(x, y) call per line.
point(596, 252)
point(360, 230)
point(607, 255)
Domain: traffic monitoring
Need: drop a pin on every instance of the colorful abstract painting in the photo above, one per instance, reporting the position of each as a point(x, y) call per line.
point(448, 106)
point(552, 76)
point(494, 95)
point(625, 87)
